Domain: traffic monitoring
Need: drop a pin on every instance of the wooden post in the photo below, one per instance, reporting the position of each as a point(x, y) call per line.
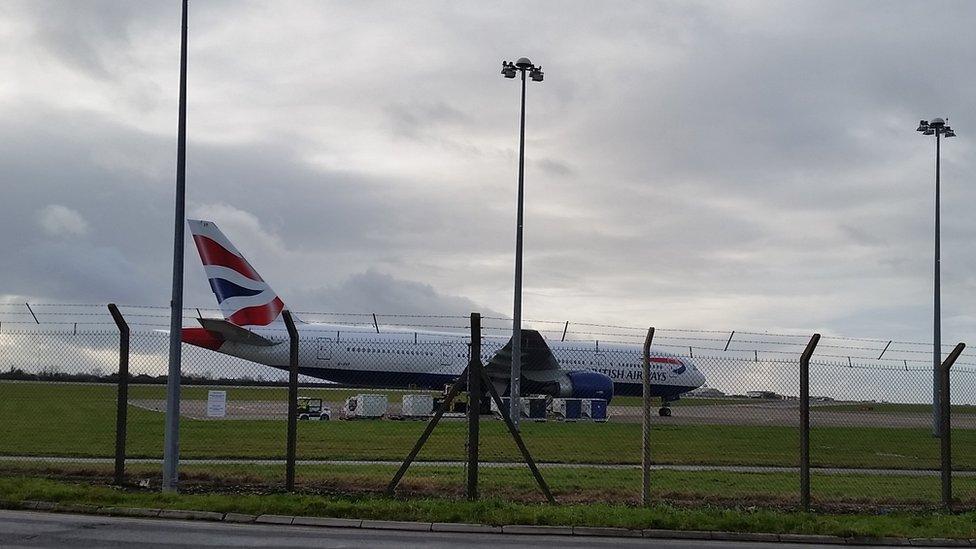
point(646, 421)
point(122, 400)
point(946, 424)
point(805, 421)
point(292, 442)
point(474, 406)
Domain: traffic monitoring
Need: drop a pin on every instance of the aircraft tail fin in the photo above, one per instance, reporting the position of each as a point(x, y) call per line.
point(244, 297)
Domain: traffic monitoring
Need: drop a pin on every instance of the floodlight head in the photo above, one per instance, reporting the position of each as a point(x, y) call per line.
point(928, 131)
point(922, 125)
point(523, 63)
point(508, 69)
point(949, 132)
point(536, 74)
point(936, 122)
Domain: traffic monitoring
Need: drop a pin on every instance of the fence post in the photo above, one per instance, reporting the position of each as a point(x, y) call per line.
point(122, 401)
point(805, 421)
point(474, 406)
point(292, 400)
point(646, 422)
point(945, 426)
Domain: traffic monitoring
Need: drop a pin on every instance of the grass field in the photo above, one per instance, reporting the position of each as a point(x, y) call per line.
point(79, 420)
point(585, 484)
point(909, 524)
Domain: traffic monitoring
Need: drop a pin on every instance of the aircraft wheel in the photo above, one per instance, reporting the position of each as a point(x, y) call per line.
point(664, 412)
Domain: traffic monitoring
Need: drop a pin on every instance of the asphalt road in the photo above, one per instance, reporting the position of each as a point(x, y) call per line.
point(32, 529)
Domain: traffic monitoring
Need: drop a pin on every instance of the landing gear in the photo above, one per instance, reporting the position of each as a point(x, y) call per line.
point(665, 410)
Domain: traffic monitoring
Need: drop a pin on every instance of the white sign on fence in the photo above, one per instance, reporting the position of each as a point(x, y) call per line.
point(216, 403)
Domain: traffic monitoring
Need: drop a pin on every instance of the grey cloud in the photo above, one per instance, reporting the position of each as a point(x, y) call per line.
point(699, 163)
point(372, 291)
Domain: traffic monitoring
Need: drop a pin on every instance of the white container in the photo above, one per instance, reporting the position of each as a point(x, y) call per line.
point(365, 406)
point(417, 405)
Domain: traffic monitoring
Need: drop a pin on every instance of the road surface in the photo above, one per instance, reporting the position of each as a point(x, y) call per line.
point(31, 529)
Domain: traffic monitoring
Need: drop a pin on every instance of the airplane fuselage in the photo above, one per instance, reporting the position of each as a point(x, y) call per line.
point(429, 360)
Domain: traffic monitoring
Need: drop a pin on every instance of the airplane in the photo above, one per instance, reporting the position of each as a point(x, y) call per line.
point(253, 329)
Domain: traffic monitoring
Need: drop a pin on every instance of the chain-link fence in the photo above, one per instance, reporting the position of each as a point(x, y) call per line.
point(368, 388)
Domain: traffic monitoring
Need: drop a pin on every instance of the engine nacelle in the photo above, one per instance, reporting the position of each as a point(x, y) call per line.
point(563, 384)
point(587, 384)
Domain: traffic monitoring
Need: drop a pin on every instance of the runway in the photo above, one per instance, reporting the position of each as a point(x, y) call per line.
point(771, 413)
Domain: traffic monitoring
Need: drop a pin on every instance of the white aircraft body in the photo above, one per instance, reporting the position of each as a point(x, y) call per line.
point(253, 329)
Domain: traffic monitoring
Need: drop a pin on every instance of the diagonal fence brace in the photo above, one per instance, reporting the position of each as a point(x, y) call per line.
point(515, 435)
point(445, 406)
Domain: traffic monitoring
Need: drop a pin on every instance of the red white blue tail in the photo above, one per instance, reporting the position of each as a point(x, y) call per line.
point(245, 298)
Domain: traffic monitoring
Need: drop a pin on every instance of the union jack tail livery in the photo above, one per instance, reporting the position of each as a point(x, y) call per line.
point(245, 298)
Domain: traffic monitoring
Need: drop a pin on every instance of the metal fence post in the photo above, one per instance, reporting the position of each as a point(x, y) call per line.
point(474, 406)
point(646, 422)
point(122, 401)
point(946, 424)
point(292, 400)
point(805, 421)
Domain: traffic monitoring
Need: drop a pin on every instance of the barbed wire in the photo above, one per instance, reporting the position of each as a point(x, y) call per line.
point(698, 339)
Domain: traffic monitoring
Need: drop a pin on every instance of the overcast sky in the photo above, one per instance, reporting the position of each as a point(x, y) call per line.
point(729, 165)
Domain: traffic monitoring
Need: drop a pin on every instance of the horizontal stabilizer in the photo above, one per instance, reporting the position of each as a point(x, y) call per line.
point(232, 332)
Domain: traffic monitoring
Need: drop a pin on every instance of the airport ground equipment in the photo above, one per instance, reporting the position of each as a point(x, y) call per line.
point(534, 408)
point(567, 409)
point(365, 406)
point(595, 409)
point(311, 409)
point(417, 405)
point(504, 405)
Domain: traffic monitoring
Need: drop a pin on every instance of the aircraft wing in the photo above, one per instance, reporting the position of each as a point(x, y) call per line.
point(536, 356)
point(540, 370)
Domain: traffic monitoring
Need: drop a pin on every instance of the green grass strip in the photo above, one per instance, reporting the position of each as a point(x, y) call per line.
point(14, 490)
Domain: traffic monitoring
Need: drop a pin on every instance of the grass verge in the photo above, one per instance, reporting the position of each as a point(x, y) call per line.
point(15, 490)
point(582, 485)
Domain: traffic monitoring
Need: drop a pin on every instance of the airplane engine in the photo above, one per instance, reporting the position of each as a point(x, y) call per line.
point(589, 385)
point(584, 384)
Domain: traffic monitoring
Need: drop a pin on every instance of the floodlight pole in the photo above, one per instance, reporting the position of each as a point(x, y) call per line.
point(171, 440)
point(937, 300)
point(516, 390)
point(523, 65)
point(939, 128)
